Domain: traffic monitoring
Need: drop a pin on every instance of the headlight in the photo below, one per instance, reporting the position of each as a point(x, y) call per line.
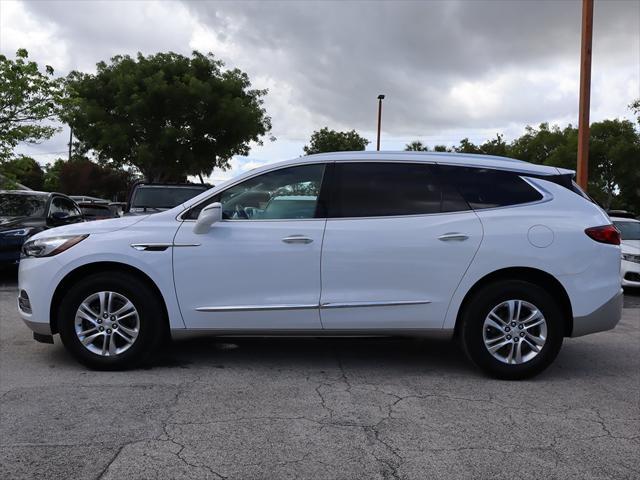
point(19, 232)
point(48, 247)
point(631, 258)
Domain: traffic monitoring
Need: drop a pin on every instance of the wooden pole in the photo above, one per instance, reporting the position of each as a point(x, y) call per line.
point(585, 94)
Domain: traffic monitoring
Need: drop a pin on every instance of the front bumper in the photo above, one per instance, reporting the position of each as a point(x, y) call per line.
point(630, 272)
point(604, 318)
point(38, 327)
point(10, 255)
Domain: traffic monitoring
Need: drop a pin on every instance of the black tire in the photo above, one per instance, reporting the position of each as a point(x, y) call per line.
point(479, 307)
point(152, 322)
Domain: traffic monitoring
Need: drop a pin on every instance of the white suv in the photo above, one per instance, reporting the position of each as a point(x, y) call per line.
point(506, 256)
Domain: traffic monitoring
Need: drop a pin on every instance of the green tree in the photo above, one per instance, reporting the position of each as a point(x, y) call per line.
point(466, 146)
point(614, 164)
point(325, 140)
point(495, 146)
point(81, 176)
point(52, 175)
point(27, 98)
point(416, 146)
point(23, 170)
point(635, 108)
point(614, 157)
point(441, 148)
point(547, 146)
point(166, 114)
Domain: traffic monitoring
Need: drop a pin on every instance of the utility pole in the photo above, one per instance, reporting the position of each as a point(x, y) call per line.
point(380, 98)
point(70, 140)
point(585, 94)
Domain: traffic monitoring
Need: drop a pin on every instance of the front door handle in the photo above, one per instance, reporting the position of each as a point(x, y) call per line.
point(448, 237)
point(297, 239)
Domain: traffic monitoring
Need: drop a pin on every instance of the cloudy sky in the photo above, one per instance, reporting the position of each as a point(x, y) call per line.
point(449, 69)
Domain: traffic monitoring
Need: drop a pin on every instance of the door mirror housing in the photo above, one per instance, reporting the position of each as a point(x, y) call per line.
point(57, 219)
point(209, 215)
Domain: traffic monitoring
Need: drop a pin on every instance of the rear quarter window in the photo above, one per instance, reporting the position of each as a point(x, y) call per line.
point(489, 188)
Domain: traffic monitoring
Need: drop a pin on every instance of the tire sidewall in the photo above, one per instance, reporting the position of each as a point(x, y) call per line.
point(491, 296)
point(142, 297)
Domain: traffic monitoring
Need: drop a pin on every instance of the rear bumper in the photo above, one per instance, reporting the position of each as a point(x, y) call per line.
point(603, 318)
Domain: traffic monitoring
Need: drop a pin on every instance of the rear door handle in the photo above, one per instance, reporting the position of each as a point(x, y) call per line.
point(449, 237)
point(297, 239)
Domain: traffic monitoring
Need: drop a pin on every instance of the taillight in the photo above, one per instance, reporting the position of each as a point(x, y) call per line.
point(604, 234)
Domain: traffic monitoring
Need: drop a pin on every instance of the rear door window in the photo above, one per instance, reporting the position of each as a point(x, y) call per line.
point(489, 188)
point(376, 189)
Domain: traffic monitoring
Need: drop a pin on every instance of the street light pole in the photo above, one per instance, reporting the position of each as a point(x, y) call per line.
point(585, 94)
point(380, 98)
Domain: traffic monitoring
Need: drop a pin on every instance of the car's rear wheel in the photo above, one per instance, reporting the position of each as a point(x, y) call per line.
point(110, 321)
point(512, 329)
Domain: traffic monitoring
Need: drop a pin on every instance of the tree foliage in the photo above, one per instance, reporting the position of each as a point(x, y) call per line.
point(416, 146)
point(23, 170)
point(325, 140)
point(614, 156)
point(635, 108)
point(27, 98)
point(81, 176)
point(166, 114)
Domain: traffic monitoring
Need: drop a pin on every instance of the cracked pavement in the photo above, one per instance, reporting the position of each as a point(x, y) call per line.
point(318, 409)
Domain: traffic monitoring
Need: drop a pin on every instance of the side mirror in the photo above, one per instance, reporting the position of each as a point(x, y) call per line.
point(57, 219)
point(209, 215)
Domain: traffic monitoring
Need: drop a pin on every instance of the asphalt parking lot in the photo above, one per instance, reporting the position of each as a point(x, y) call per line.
point(308, 408)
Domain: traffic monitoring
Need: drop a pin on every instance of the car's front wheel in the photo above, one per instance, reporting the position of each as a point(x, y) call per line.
point(110, 321)
point(512, 329)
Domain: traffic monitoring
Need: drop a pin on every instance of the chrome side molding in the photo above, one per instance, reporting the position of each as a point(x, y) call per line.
point(160, 247)
point(373, 304)
point(253, 308)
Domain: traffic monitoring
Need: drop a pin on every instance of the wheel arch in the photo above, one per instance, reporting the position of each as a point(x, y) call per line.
point(532, 275)
point(100, 267)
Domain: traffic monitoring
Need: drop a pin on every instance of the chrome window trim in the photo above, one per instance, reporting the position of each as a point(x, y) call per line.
point(240, 220)
point(546, 196)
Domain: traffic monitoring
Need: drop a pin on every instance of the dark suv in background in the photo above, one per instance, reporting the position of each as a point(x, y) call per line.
point(148, 198)
point(25, 213)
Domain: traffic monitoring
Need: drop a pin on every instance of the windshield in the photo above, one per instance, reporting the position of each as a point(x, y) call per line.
point(629, 230)
point(163, 197)
point(18, 205)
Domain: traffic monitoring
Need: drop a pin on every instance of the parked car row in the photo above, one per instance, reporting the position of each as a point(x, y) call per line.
point(24, 213)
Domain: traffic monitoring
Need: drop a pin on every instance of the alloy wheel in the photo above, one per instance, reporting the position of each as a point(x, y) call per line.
point(514, 332)
point(107, 323)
